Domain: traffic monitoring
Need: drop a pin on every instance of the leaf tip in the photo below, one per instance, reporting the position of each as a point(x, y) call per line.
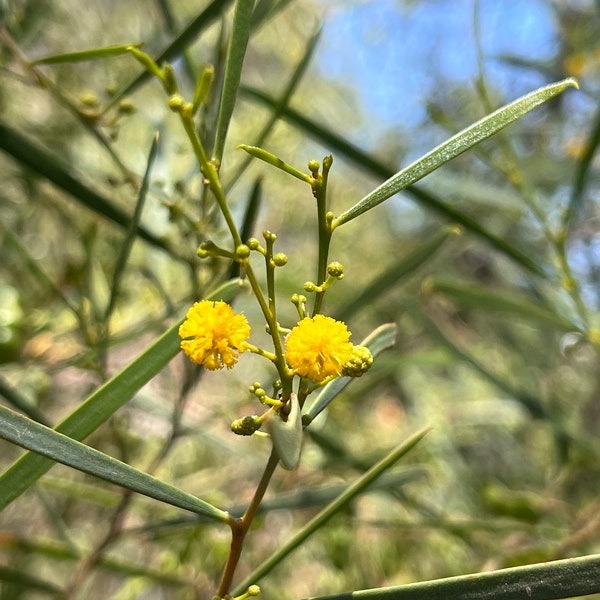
point(571, 81)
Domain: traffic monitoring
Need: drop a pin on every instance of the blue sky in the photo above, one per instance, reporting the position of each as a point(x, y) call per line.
point(396, 52)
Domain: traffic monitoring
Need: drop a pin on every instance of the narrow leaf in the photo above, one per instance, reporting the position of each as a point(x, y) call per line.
point(457, 144)
point(357, 488)
point(94, 54)
point(544, 581)
point(380, 339)
point(103, 403)
point(280, 104)
point(276, 162)
point(367, 163)
point(38, 438)
point(22, 404)
point(240, 34)
point(131, 230)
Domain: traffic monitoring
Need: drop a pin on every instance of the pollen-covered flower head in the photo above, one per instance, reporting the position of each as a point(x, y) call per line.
point(318, 347)
point(213, 335)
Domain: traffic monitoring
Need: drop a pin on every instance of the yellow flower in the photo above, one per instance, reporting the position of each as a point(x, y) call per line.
point(213, 335)
point(318, 347)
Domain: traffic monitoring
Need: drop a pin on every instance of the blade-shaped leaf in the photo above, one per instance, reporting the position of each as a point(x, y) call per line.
point(131, 230)
point(84, 55)
point(366, 162)
point(279, 106)
point(381, 339)
point(544, 581)
point(102, 404)
point(38, 438)
point(240, 34)
point(457, 144)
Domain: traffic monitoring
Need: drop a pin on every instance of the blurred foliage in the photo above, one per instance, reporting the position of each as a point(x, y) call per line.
point(510, 473)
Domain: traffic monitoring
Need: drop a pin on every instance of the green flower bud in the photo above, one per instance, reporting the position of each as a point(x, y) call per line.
point(313, 166)
point(360, 363)
point(335, 269)
point(253, 244)
point(298, 299)
point(242, 252)
point(126, 106)
point(89, 99)
point(253, 590)
point(169, 81)
point(246, 425)
point(269, 236)
point(309, 286)
point(329, 216)
point(176, 103)
point(280, 259)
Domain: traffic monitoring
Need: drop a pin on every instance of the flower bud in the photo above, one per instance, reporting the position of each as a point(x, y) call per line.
point(336, 270)
point(89, 99)
point(170, 82)
point(176, 102)
point(242, 252)
point(253, 244)
point(253, 590)
point(126, 106)
point(246, 425)
point(313, 166)
point(360, 362)
point(280, 259)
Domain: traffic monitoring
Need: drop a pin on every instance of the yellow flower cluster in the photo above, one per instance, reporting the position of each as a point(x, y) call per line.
point(213, 335)
point(318, 348)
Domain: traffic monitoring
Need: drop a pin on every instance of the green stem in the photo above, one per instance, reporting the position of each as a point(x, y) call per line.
point(325, 231)
point(211, 174)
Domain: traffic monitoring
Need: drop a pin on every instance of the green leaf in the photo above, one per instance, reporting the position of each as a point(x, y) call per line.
point(94, 54)
point(496, 301)
point(357, 488)
point(544, 581)
point(279, 106)
point(364, 161)
point(131, 230)
point(380, 339)
point(240, 34)
point(276, 162)
point(38, 438)
point(456, 145)
point(103, 403)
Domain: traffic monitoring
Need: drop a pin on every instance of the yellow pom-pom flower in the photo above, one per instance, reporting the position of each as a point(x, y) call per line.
point(318, 348)
point(213, 335)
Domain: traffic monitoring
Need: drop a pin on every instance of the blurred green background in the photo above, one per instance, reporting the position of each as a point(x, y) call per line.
point(510, 473)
